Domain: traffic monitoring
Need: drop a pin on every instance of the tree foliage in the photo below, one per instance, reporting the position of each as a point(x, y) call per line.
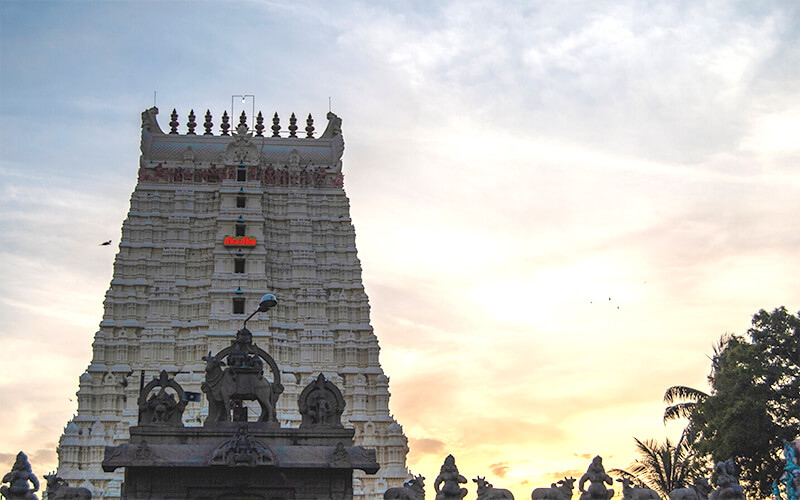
point(755, 399)
point(662, 467)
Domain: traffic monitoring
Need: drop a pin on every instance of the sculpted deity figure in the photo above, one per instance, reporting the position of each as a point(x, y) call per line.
point(728, 487)
point(18, 478)
point(450, 479)
point(597, 477)
point(791, 471)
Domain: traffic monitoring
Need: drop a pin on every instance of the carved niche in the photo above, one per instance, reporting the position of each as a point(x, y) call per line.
point(242, 450)
point(162, 407)
point(321, 404)
point(242, 149)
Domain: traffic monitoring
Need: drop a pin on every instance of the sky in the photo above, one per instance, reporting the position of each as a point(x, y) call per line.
point(559, 206)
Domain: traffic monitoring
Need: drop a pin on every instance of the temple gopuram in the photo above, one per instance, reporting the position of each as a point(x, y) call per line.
point(222, 214)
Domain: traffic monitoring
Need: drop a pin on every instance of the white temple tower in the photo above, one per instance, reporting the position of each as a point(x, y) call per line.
point(215, 222)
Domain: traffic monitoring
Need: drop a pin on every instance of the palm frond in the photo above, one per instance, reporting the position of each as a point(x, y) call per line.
point(681, 392)
point(678, 411)
point(662, 467)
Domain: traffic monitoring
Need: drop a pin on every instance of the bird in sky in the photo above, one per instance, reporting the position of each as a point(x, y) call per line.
point(105, 243)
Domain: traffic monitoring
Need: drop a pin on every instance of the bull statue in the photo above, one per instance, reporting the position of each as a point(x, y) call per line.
point(697, 491)
point(223, 386)
point(58, 489)
point(413, 489)
point(631, 492)
point(557, 491)
point(488, 492)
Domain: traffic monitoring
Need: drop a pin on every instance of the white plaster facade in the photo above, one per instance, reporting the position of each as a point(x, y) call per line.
point(176, 283)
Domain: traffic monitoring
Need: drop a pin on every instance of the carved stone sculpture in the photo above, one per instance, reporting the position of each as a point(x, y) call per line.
point(242, 450)
point(413, 489)
point(697, 491)
point(18, 479)
point(791, 471)
point(597, 477)
point(58, 489)
point(321, 404)
point(450, 479)
point(243, 379)
point(631, 492)
point(728, 487)
point(557, 491)
point(488, 492)
point(162, 407)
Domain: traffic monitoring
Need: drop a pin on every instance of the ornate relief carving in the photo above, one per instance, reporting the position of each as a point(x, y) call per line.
point(321, 404)
point(242, 150)
point(242, 450)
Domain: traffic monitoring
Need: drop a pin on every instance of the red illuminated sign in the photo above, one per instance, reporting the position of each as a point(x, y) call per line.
point(239, 241)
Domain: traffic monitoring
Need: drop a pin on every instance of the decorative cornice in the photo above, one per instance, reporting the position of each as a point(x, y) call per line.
point(242, 147)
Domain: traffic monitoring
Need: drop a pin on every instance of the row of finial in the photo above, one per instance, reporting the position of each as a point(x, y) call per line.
point(225, 125)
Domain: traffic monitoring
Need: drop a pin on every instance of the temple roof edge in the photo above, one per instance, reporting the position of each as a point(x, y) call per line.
point(278, 148)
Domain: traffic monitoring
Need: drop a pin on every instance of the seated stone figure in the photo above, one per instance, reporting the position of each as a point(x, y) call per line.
point(449, 478)
point(728, 487)
point(18, 478)
point(597, 477)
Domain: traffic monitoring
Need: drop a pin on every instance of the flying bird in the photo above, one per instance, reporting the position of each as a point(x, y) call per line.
point(105, 243)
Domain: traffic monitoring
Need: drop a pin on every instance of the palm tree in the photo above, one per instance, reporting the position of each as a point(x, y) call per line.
point(662, 467)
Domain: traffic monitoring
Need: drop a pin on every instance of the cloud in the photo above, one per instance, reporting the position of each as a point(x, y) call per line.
point(500, 469)
point(426, 445)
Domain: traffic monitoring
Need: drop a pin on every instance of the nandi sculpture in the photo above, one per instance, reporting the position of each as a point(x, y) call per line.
point(243, 378)
point(697, 491)
point(413, 489)
point(631, 492)
point(557, 491)
point(58, 489)
point(488, 492)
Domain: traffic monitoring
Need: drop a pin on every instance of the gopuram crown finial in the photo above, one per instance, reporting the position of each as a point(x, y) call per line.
point(225, 125)
point(173, 122)
point(207, 124)
point(309, 127)
point(276, 125)
point(292, 126)
point(191, 124)
point(260, 125)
